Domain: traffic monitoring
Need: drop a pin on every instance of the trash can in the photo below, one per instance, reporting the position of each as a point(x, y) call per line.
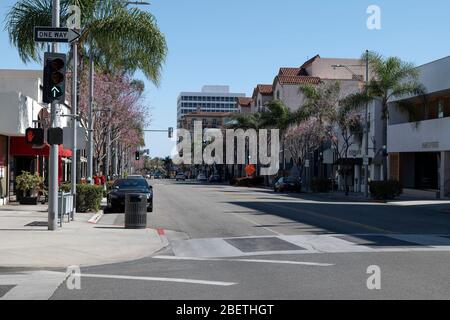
point(135, 211)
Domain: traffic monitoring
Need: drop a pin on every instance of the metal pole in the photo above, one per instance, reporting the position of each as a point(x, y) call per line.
point(53, 156)
point(90, 151)
point(74, 123)
point(366, 120)
point(108, 148)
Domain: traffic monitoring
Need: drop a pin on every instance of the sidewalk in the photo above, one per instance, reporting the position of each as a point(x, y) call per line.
point(26, 242)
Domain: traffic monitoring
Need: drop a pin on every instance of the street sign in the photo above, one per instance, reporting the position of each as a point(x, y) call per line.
point(250, 170)
point(49, 34)
point(68, 138)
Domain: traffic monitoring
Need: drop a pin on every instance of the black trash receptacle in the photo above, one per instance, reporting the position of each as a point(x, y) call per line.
point(135, 211)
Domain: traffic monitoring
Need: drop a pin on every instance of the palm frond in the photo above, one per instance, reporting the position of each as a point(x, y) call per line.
point(20, 22)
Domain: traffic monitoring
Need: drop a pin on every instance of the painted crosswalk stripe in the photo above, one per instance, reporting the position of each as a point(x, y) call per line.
point(162, 279)
point(305, 263)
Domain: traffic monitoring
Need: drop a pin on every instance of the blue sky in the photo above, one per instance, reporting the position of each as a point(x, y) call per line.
point(243, 42)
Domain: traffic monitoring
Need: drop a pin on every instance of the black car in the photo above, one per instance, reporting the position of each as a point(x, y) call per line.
point(288, 184)
point(121, 187)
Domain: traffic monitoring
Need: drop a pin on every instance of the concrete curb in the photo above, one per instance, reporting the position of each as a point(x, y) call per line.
point(96, 218)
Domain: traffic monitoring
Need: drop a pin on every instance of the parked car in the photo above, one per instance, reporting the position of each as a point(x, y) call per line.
point(288, 184)
point(180, 176)
point(201, 177)
point(157, 176)
point(215, 178)
point(135, 176)
point(122, 187)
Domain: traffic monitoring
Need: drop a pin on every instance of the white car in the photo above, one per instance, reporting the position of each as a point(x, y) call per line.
point(180, 176)
point(201, 177)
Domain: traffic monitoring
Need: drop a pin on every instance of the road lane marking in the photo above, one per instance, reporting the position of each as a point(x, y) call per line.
point(319, 215)
point(318, 264)
point(161, 279)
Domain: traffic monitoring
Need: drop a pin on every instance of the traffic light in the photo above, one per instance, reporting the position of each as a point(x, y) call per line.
point(170, 132)
point(137, 155)
point(34, 136)
point(54, 77)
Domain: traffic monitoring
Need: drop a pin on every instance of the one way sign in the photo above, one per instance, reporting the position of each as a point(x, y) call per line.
point(48, 34)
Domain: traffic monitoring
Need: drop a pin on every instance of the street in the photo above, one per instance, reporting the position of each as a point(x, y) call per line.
point(236, 243)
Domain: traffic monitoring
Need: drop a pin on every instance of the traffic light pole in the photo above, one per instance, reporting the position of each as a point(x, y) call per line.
point(90, 149)
point(74, 123)
point(54, 149)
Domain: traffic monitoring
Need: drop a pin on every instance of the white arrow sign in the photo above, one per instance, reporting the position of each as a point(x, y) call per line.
point(49, 34)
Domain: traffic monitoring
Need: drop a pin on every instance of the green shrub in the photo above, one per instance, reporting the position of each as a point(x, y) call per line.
point(28, 183)
point(65, 187)
point(321, 185)
point(383, 190)
point(249, 182)
point(89, 197)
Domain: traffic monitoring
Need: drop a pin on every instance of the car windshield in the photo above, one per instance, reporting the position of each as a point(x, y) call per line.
point(132, 184)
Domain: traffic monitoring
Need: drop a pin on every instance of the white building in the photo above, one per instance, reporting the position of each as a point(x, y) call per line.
point(350, 74)
point(210, 99)
point(419, 152)
point(21, 108)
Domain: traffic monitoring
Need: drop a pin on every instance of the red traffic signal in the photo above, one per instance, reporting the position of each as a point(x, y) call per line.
point(34, 136)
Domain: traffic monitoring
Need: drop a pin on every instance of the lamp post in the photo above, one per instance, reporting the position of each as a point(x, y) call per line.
point(366, 122)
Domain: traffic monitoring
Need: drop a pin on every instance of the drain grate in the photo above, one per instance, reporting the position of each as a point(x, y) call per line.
point(37, 224)
point(262, 244)
point(376, 241)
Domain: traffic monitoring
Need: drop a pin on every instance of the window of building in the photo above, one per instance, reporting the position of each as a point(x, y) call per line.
point(278, 94)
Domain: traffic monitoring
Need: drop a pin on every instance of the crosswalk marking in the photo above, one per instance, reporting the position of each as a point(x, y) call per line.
point(32, 285)
point(247, 260)
point(328, 243)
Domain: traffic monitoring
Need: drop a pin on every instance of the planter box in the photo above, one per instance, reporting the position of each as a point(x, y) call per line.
point(29, 200)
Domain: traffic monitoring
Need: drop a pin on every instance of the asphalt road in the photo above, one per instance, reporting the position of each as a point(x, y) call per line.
point(237, 243)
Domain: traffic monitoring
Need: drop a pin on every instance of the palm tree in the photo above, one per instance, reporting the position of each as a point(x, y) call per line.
point(275, 116)
point(118, 37)
point(391, 78)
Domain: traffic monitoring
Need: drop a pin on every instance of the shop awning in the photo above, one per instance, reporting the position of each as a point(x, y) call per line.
point(19, 147)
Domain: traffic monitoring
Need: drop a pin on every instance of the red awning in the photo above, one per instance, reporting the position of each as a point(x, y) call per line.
point(19, 147)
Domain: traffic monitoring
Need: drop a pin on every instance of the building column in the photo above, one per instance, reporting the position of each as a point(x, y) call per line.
point(445, 174)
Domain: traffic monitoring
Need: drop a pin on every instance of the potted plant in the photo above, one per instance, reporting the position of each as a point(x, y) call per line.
point(29, 184)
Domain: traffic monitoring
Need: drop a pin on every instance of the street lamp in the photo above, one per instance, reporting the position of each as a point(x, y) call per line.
point(366, 123)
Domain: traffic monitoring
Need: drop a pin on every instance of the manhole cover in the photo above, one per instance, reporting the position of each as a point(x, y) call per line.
point(262, 244)
point(375, 241)
point(37, 224)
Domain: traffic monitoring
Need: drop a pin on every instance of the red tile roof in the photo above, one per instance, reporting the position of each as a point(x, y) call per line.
point(265, 89)
point(289, 71)
point(245, 102)
point(297, 80)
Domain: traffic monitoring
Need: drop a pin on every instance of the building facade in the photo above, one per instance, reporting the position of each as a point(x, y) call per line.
point(21, 108)
point(419, 147)
point(214, 99)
